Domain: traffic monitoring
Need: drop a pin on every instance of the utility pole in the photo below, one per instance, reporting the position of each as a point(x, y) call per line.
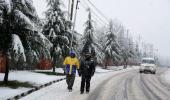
point(75, 16)
point(69, 10)
point(72, 8)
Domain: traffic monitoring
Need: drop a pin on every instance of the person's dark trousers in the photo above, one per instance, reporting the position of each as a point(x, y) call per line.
point(70, 80)
point(85, 82)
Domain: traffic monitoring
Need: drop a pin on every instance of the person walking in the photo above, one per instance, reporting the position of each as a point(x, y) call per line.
point(87, 69)
point(71, 63)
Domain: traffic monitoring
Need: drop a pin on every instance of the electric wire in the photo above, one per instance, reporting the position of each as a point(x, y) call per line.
point(100, 12)
point(96, 17)
point(94, 13)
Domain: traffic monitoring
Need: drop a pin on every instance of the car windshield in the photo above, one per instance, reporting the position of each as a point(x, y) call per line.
point(148, 61)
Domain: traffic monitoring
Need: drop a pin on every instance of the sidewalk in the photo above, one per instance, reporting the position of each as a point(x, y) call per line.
point(36, 79)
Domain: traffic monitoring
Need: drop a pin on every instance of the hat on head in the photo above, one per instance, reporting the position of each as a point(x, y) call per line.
point(72, 52)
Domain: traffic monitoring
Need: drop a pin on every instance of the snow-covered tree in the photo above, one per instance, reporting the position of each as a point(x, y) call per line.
point(100, 39)
point(112, 48)
point(17, 17)
point(56, 29)
point(40, 48)
point(18, 58)
point(120, 48)
point(88, 37)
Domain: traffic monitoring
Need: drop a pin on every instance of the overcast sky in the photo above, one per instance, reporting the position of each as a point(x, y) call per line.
point(149, 18)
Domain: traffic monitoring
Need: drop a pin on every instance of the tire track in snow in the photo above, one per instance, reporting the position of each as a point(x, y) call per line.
point(131, 86)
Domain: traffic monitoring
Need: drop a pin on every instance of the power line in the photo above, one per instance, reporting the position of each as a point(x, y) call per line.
point(94, 17)
point(97, 18)
point(98, 10)
point(102, 16)
point(100, 19)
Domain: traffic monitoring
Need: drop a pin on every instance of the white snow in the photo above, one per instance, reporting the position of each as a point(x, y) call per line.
point(31, 77)
point(8, 92)
point(58, 91)
point(45, 41)
point(115, 67)
point(58, 70)
point(58, 49)
point(25, 76)
point(99, 70)
point(52, 33)
point(23, 2)
point(17, 45)
point(148, 59)
point(8, 5)
point(166, 76)
point(30, 2)
point(24, 19)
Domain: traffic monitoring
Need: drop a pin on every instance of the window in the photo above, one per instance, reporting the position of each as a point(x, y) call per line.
point(148, 61)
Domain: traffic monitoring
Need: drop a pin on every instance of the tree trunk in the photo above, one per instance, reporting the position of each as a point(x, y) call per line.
point(106, 63)
point(54, 59)
point(54, 62)
point(6, 70)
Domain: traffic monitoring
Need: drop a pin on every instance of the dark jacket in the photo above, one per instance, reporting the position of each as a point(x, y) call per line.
point(87, 68)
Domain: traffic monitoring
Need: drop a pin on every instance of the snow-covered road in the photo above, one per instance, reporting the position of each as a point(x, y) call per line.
point(132, 86)
point(120, 85)
point(59, 90)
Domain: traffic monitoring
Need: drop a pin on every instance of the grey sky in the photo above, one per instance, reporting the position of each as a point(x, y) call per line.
point(149, 18)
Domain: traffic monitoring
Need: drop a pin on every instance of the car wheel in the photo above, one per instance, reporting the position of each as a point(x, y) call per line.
point(140, 71)
point(154, 72)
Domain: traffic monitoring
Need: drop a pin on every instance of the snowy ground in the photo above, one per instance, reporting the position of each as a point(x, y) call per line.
point(31, 77)
point(25, 76)
point(58, 70)
point(166, 76)
point(39, 79)
point(58, 91)
point(121, 67)
point(8, 92)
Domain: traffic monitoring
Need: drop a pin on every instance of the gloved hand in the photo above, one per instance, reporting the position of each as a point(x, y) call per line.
point(79, 72)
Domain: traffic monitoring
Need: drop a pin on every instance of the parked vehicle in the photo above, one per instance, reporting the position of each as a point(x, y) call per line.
point(148, 65)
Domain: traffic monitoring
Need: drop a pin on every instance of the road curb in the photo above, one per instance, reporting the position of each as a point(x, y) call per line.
point(35, 89)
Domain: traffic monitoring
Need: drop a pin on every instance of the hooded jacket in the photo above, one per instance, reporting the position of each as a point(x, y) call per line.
point(71, 65)
point(87, 67)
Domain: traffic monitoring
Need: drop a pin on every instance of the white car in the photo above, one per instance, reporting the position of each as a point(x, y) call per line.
point(148, 65)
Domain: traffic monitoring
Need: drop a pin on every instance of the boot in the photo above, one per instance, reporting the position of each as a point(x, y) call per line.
point(87, 91)
point(81, 92)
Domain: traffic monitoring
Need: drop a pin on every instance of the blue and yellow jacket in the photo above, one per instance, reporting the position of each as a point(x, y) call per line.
point(71, 65)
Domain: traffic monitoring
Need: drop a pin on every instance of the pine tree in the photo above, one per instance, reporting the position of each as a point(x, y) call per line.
point(100, 39)
point(40, 48)
point(57, 30)
point(130, 51)
point(18, 17)
point(123, 42)
point(112, 48)
point(88, 37)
